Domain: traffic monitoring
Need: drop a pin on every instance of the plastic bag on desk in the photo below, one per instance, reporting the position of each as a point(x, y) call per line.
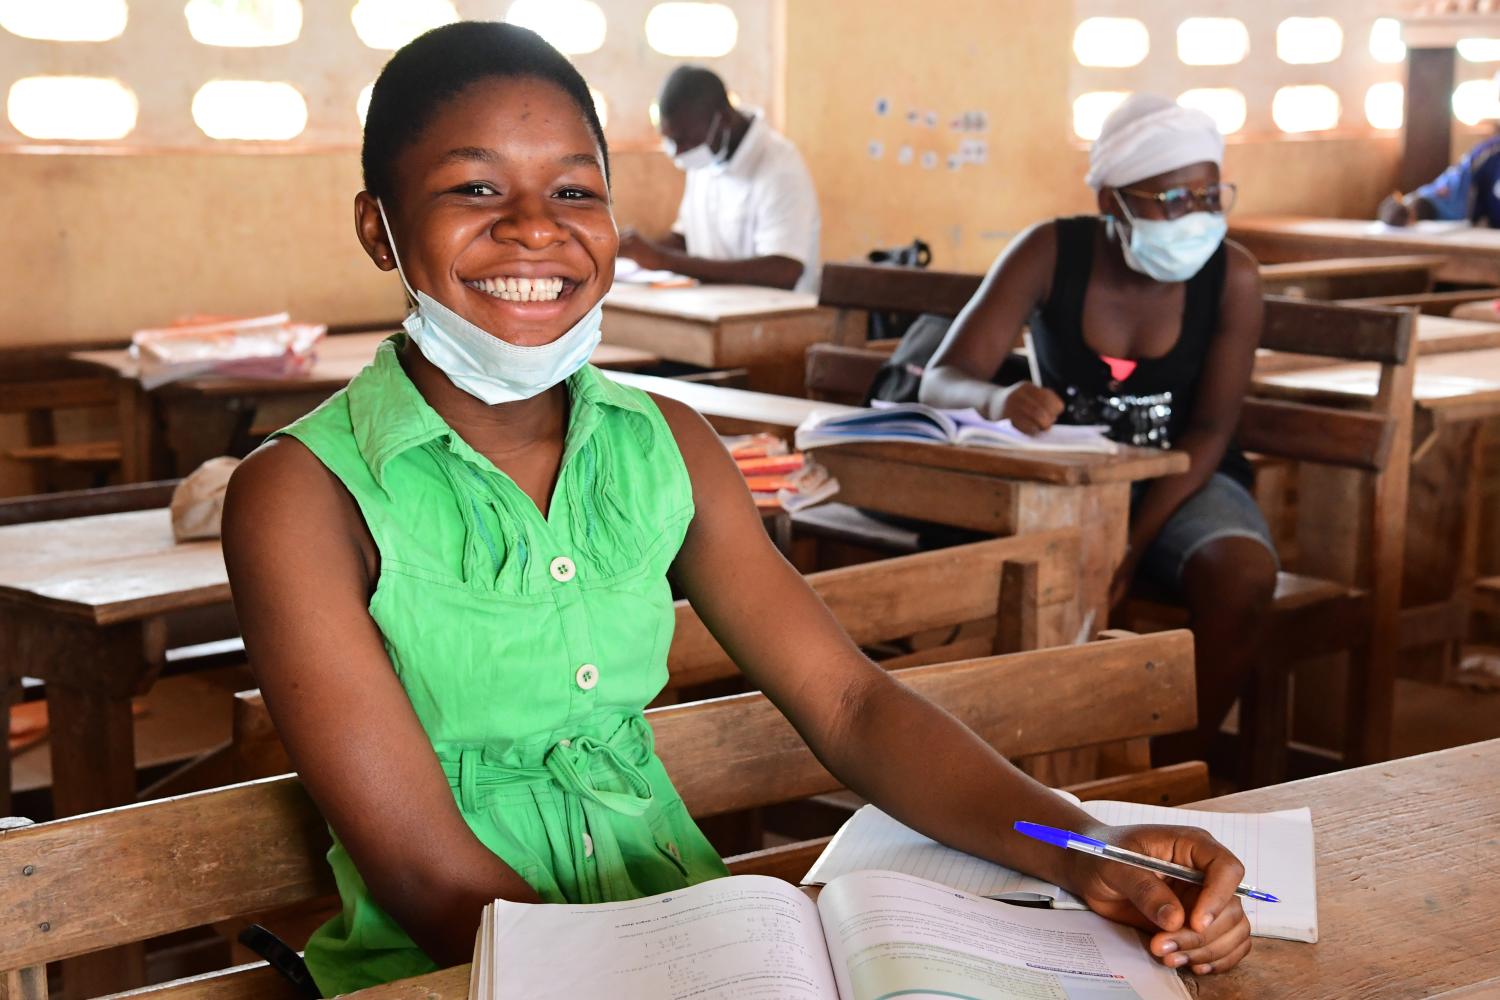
point(254, 347)
point(198, 501)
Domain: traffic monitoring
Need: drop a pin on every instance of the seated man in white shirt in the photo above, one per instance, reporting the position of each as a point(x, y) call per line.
point(749, 213)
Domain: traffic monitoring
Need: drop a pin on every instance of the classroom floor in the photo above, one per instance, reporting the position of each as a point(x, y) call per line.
point(1434, 717)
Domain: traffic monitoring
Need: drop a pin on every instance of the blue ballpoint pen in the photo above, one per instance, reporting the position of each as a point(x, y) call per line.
point(1078, 842)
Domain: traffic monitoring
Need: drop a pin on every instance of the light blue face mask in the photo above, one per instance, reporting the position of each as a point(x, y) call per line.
point(480, 363)
point(1172, 249)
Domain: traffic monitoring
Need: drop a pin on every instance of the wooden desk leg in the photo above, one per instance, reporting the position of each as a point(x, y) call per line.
point(91, 675)
point(136, 427)
point(10, 693)
point(1101, 514)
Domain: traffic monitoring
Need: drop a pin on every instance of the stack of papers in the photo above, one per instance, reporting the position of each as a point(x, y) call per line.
point(913, 422)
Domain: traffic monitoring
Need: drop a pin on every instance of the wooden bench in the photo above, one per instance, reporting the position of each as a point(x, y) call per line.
point(1353, 468)
point(111, 879)
point(1433, 303)
point(978, 599)
point(856, 290)
point(1351, 277)
point(39, 382)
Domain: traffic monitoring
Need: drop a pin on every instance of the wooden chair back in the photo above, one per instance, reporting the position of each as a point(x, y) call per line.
point(108, 879)
point(1351, 277)
point(1430, 303)
point(856, 290)
point(87, 503)
point(1004, 583)
point(1355, 457)
point(36, 383)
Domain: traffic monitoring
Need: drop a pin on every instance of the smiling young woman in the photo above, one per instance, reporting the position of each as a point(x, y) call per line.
point(452, 577)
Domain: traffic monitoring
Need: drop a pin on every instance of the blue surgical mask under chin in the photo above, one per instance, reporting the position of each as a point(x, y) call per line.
point(483, 365)
point(1173, 249)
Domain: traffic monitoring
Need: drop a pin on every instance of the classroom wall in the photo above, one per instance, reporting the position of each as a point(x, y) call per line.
point(101, 244)
point(1011, 60)
point(98, 245)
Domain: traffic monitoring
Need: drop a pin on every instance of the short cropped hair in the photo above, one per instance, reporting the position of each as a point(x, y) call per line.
point(437, 66)
point(691, 87)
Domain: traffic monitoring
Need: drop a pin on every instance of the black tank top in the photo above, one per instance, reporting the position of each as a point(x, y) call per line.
point(1152, 405)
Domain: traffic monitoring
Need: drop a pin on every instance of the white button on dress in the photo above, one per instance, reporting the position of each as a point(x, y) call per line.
point(563, 569)
point(587, 677)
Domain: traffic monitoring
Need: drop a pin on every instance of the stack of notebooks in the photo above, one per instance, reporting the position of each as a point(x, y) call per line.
point(898, 916)
point(914, 422)
point(779, 479)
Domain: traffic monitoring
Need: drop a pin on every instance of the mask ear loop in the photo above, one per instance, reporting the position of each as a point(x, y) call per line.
point(390, 238)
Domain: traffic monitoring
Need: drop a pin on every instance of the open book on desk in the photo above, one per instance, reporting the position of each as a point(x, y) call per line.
point(913, 422)
point(1276, 849)
point(870, 935)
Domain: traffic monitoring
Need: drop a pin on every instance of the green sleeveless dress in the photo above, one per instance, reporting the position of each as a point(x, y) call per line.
point(528, 645)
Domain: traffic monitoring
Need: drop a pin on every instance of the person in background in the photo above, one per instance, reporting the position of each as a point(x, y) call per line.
point(749, 212)
point(1468, 191)
point(1143, 319)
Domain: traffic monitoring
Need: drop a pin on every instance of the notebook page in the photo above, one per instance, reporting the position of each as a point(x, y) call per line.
point(737, 937)
point(1276, 848)
point(872, 840)
point(892, 935)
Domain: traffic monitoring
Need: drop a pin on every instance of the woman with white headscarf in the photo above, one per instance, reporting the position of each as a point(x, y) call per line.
point(1145, 319)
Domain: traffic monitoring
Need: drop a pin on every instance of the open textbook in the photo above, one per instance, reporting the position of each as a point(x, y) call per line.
point(870, 936)
point(916, 422)
point(1276, 849)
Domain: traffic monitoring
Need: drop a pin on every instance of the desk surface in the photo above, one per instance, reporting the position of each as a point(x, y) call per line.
point(1468, 381)
point(339, 359)
point(1408, 873)
point(110, 568)
point(786, 412)
point(708, 303)
point(1389, 239)
point(1435, 335)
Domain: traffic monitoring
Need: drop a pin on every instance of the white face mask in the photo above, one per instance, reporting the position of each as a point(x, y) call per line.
point(1172, 249)
point(483, 365)
point(700, 156)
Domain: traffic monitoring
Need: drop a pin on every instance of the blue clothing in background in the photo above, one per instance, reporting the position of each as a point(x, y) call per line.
point(1470, 189)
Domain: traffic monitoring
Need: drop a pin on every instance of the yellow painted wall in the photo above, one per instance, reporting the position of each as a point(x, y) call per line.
point(99, 245)
point(1011, 59)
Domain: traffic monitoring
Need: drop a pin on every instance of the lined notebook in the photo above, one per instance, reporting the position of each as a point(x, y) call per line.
point(1276, 848)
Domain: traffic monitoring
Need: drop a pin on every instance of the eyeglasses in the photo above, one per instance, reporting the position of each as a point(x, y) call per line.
point(1179, 201)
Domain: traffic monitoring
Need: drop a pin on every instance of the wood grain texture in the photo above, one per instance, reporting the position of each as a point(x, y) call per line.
point(109, 568)
point(86, 503)
point(118, 876)
point(1351, 277)
point(1306, 433)
point(888, 288)
point(1470, 255)
point(740, 752)
point(894, 598)
point(1068, 469)
point(1349, 333)
point(1408, 869)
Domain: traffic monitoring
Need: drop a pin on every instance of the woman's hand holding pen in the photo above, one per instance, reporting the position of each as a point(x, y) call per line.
point(1200, 928)
point(1031, 408)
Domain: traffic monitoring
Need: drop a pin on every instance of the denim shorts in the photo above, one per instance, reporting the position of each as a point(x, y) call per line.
point(1223, 508)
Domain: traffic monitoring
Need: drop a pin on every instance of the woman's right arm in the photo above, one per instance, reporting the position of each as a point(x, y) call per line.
point(301, 570)
point(960, 373)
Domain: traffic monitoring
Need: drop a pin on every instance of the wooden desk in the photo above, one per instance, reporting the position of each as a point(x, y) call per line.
point(1456, 395)
point(1408, 869)
point(82, 606)
point(765, 330)
point(1471, 254)
point(982, 489)
point(1011, 493)
point(1435, 335)
point(174, 428)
